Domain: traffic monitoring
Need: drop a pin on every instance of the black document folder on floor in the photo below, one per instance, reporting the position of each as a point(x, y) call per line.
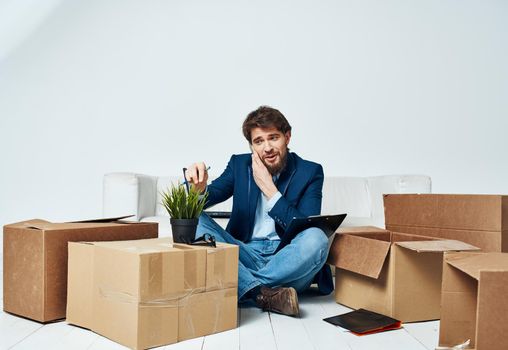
point(328, 223)
point(362, 322)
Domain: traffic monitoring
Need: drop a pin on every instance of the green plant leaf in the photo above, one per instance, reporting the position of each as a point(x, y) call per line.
point(182, 205)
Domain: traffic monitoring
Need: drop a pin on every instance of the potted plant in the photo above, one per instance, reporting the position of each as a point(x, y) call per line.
point(184, 209)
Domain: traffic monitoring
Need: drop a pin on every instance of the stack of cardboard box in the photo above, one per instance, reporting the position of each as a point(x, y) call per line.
point(474, 285)
point(400, 271)
point(35, 261)
point(118, 280)
point(147, 293)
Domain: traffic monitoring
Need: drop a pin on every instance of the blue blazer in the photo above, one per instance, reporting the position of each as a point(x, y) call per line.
point(300, 183)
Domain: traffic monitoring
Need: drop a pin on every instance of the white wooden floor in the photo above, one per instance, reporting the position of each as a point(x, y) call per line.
point(257, 330)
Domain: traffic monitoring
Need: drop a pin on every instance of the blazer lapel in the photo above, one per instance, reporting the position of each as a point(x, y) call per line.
point(286, 175)
point(252, 195)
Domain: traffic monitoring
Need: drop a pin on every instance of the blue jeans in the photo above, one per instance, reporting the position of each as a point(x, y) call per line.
point(295, 265)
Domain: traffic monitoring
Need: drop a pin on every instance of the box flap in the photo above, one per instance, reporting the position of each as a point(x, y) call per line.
point(34, 223)
point(360, 229)
point(487, 241)
point(473, 263)
point(437, 246)
point(40, 224)
point(367, 232)
point(140, 246)
point(116, 218)
point(359, 254)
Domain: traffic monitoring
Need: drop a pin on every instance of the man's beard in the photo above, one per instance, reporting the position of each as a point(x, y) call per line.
point(277, 168)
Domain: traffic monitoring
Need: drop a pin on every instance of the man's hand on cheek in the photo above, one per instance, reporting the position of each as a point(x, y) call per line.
point(262, 176)
point(259, 169)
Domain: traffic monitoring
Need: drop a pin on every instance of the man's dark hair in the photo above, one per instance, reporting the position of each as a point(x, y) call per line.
point(265, 117)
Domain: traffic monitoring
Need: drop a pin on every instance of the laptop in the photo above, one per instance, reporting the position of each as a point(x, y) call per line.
point(328, 223)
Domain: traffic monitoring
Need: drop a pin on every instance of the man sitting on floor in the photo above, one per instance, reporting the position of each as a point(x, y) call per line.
point(270, 187)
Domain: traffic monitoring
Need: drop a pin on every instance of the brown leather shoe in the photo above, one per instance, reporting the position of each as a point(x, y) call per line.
point(281, 300)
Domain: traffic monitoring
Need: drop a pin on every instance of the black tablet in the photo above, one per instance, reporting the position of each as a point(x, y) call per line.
point(328, 223)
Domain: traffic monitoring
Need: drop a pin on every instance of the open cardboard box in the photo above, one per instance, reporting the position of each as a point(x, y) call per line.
point(148, 293)
point(35, 261)
point(474, 300)
point(395, 274)
point(480, 220)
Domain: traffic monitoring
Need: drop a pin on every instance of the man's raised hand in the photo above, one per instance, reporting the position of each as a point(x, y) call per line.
point(197, 175)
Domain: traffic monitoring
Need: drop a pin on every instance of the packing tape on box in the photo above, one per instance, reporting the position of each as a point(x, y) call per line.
point(166, 275)
point(212, 306)
point(217, 270)
point(219, 266)
point(169, 300)
point(216, 267)
point(191, 270)
point(215, 295)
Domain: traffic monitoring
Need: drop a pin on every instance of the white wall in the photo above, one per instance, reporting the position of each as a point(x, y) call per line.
point(370, 87)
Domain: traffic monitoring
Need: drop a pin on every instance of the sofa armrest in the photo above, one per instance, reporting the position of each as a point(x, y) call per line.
point(129, 194)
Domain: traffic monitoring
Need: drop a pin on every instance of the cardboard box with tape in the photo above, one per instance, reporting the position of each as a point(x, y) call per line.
point(148, 293)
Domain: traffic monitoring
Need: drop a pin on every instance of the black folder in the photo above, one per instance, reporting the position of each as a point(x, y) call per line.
point(328, 223)
point(362, 322)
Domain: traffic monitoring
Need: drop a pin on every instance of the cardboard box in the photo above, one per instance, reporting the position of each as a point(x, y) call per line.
point(147, 293)
point(35, 261)
point(480, 220)
point(474, 304)
point(395, 274)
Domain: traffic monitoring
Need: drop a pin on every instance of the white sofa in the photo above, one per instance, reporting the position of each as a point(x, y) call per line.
point(360, 197)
